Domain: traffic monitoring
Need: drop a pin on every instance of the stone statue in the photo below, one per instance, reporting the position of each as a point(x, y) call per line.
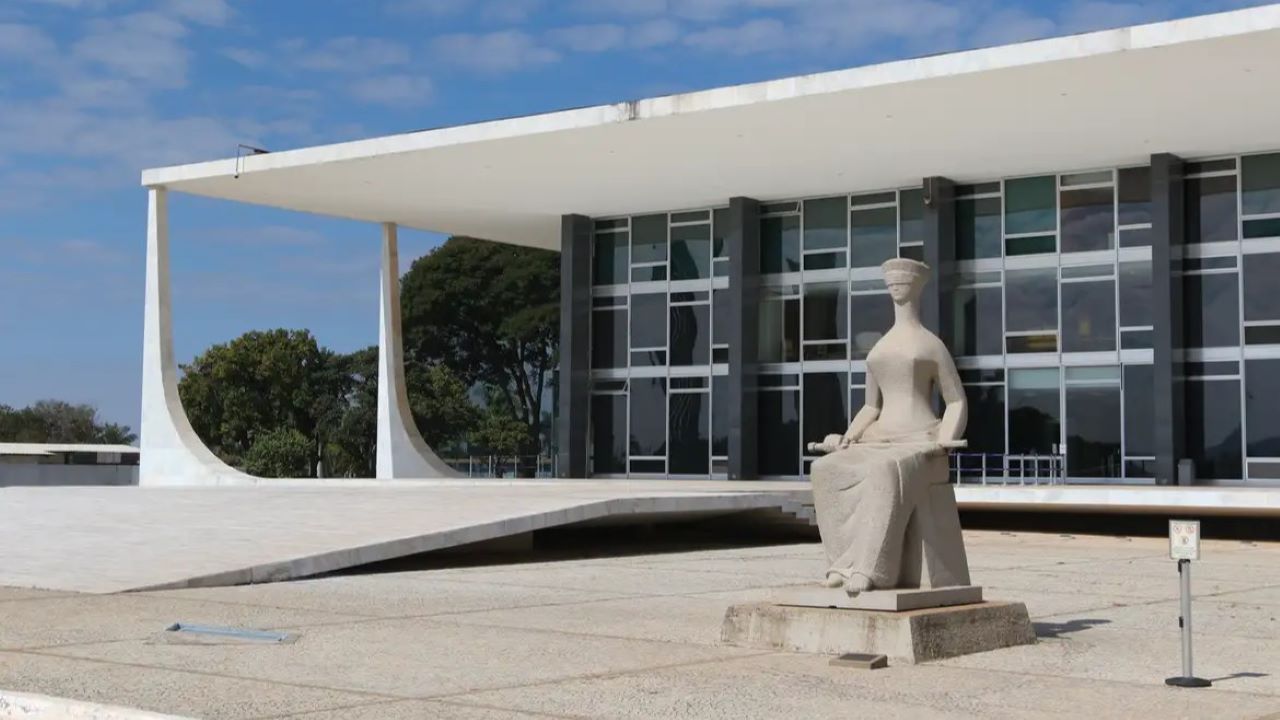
point(886, 511)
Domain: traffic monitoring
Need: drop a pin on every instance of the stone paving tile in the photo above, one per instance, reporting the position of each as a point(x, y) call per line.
point(682, 619)
point(71, 619)
point(387, 595)
point(631, 579)
point(411, 658)
point(420, 709)
point(1088, 578)
point(164, 691)
point(20, 593)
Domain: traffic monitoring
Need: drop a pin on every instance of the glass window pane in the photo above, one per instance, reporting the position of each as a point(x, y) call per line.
point(825, 311)
point(648, 238)
point(1031, 245)
point(610, 258)
point(825, 409)
point(873, 236)
point(1093, 432)
point(1030, 205)
point(1211, 209)
point(1135, 196)
point(690, 252)
point(609, 339)
point(648, 416)
point(824, 223)
point(780, 244)
point(825, 261)
point(978, 228)
point(690, 335)
point(649, 320)
point(719, 229)
point(1261, 296)
point(978, 322)
point(690, 434)
point(870, 317)
point(779, 335)
point(1135, 293)
point(1088, 219)
point(1139, 411)
point(648, 273)
point(1262, 389)
point(720, 317)
point(779, 428)
point(608, 434)
point(1260, 183)
point(1213, 428)
point(1212, 310)
point(1034, 411)
point(985, 429)
point(911, 215)
point(1089, 316)
point(720, 415)
point(1031, 301)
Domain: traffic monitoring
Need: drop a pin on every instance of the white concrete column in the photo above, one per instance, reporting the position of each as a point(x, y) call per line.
point(402, 453)
point(171, 452)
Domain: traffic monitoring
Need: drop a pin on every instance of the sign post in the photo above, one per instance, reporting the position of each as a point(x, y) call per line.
point(1184, 546)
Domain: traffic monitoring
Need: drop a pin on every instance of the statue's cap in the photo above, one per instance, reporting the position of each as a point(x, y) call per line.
point(905, 270)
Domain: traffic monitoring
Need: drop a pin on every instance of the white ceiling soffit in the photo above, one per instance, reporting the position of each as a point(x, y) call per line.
point(1195, 87)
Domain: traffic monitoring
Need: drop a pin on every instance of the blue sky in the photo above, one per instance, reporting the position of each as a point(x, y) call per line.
point(92, 91)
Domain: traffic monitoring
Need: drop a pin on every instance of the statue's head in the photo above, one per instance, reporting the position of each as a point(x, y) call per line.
point(905, 279)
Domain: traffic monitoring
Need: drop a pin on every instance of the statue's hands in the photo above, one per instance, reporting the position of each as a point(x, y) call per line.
point(846, 440)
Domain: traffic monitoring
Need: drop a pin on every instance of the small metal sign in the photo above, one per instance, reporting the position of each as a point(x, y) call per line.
point(1184, 539)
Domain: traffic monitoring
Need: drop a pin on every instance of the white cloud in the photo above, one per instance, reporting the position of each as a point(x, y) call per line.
point(352, 54)
point(654, 33)
point(393, 90)
point(590, 38)
point(144, 46)
point(25, 42)
point(248, 57)
point(496, 52)
point(751, 37)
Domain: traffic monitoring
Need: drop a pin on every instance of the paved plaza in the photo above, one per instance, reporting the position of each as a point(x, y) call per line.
point(632, 631)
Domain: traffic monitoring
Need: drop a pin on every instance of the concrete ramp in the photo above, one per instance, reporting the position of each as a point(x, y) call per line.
point(116, 539)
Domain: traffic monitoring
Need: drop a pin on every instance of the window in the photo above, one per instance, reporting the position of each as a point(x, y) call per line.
point(608, 434)
point(1031, 310)
point(873, 235)
point(690, 252)
point(825, 321)
point(1211, 209)
point(911, 224)
point(1213, 427)
point(648, 418)
point(1139, 421)
point(690, 334)
point(609, 338)
point(825, 411)
point(870, 317)
point(690, 423)
point(780, 244)
point(648, 324)
point(1211, 308)
point(719, 245)
point(720, 416)
point(1260, 195)
point(978, 321)
point(1093, 422)
point(779, 335)
point(978, 228)
point(1089, 311)
point(1034, 411)
point(1030, 210)
point(779, 428)
point(985, 429)
point(1088, 217)
point(824, 224)
point(1135, 294)
point(610, 253)
point(1262, 390)
point(1133, 211)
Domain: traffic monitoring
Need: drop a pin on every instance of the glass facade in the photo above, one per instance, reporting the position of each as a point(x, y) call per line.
point(1050, 319)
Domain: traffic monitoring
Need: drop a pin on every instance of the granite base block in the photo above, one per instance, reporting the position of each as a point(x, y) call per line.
point(910, 637)
point(889, 600)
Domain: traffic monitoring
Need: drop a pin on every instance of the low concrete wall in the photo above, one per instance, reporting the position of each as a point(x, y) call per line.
point(13, 475)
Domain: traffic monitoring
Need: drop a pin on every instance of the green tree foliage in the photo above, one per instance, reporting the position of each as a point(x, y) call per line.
point(488, 312)
point(280, 453)
point(260, 382)
point(54, 421)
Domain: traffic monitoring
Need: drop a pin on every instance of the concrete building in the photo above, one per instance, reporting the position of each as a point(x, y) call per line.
point(52, 464)
point(1102, 211)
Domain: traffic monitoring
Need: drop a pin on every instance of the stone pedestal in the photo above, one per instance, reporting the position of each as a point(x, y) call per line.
point(891, 600)
point(910, 636)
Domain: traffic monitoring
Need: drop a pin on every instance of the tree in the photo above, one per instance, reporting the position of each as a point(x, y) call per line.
point(280, 453)
point(55, 421)
point(488, 312)
point(258, 383)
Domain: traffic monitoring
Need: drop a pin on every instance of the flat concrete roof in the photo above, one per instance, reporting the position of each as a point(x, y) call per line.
point(1196, 87)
